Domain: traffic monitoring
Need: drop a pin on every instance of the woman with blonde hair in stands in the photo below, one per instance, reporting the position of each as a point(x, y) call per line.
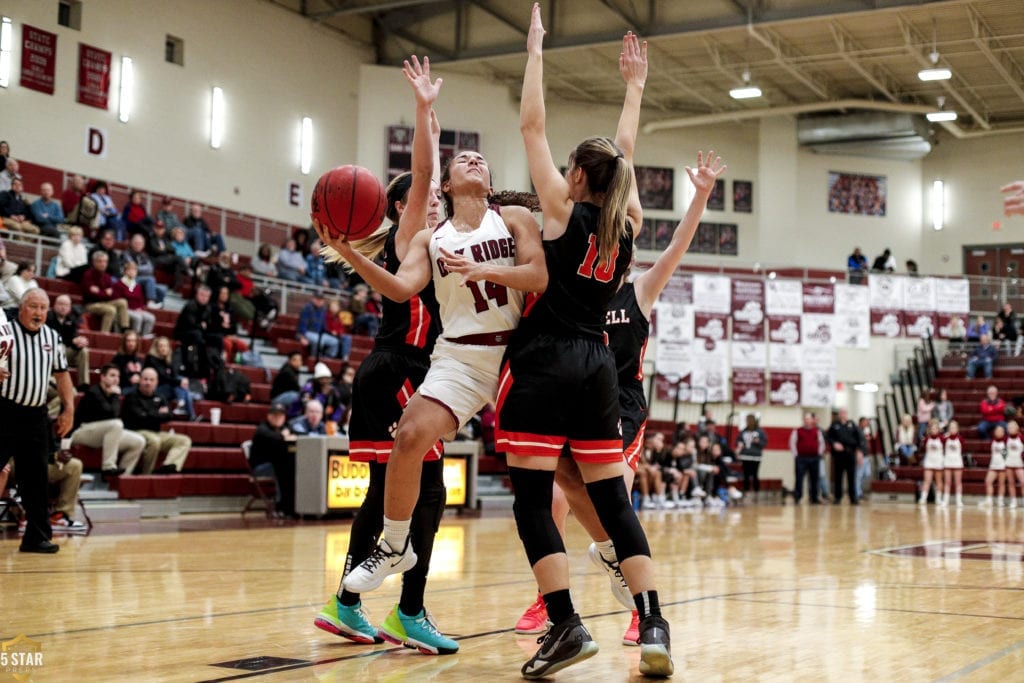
point(128, 288)
point(953, 463)
point(933, 448)
point(72, 256)
point(170, 383)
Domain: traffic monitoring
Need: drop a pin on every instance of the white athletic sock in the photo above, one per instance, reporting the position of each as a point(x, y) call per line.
point(607, 550)
point(396, 532)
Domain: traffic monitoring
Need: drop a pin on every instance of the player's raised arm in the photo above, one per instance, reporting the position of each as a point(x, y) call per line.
point(649, 284)
point(633, 67)
point(424, 152)
point(552, 188)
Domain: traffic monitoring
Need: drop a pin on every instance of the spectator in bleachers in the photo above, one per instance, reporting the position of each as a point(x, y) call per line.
point(166, 257)
point(671, 476)
point(107, 244)
point(925, 411)
point(166, 216)
point(15, 210)
point(72, 257)
point(200, 334)
point(724, 479)
point(5, 153)
point(204, 241)
point(993, 412)
point(911, 266)
point(7, 268)
point(263, 264)
point(145, 269)
point(343, 383)
point(291, 264)
point(311, 423)
point(312, 328)
point(316, 270)
point(286, 387)
point(365, 319)
point(68, 324)
point(978, 328)
point(129, 289)
point(135, 216)
point(98, 294)
point(807, 444)
point(846, 443)
point(857, 265)
point(983, 356)
point(751, 443)
point(867, 462)
point(144, 412)
point(171, 384)
point(226, 324)
point(8, 175)
point(182, 248)
point(884, 262)
point(648, 473)
point(906, 438)
point(129, 361)
point(335, 275)
point(270, 455)
point(73, 195)
point(264, 306)
point(303, 240)
point(1009, 337)
point(944, 410)
point(221, 276)
point(98, 425)
point(109, 215)
point(22, 281)
point(46, 212)
point(322, 390)
point(337, 324)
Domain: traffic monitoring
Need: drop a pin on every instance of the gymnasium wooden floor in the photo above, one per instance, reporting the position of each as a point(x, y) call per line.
point(882, 592)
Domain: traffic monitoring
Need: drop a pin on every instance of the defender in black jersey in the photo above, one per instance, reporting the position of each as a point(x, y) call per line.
point(628, 329)
point(383, 385)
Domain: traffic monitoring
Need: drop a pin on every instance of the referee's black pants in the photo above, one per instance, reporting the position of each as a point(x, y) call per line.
point(25, 436)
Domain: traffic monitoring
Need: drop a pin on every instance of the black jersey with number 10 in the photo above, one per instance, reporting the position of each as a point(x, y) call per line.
point(414, 323)
point(579, 288)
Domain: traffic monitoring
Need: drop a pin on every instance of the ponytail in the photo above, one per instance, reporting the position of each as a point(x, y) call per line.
point(608, 174)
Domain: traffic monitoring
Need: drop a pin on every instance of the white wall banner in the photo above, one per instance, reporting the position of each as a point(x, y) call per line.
point(784, 297)
point(852, 323)
point(818, 329)
point(952, 296)
point(712, 294)
point(818, 378)
point(886, 292)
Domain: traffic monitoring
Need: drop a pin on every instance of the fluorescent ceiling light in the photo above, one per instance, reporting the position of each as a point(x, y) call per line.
point(217, 117)
point(124, 100)
point(5, 52)
point(306, 145)
point(937, 116)
point(937, 74)
point(938, 205)
point(745, 93)
point(867, 387)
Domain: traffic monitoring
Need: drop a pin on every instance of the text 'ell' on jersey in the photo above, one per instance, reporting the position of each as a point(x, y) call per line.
point(414, 323)
point(579, 287)
point(628, 330)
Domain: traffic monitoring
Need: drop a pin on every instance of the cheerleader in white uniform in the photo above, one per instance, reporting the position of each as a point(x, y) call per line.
point(996, 467)
point(933, 448)
point(1014, 460)
point(954, 464)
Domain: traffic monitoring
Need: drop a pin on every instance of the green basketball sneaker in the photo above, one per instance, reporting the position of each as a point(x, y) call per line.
point(347, 622)
point(418, 632)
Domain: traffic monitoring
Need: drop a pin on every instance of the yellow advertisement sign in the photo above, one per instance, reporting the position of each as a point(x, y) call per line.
point(348, 481)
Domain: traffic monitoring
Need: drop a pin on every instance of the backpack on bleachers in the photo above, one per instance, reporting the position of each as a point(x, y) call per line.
point(86, 214)
point(229, 385)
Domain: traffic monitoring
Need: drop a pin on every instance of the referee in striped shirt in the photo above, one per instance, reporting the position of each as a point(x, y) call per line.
point(25, 432)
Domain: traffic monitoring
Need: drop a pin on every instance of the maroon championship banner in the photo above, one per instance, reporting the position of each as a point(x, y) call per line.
point(748, 386)
point(665, 388)
point(819, 298)
point(38, 59)
point(710, 327)
point(93, 76)
point(785, 389)
point(886, 323)
point(747, 310)
point(784, 329)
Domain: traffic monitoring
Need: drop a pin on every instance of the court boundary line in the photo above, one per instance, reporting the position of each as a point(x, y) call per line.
point(981, 663)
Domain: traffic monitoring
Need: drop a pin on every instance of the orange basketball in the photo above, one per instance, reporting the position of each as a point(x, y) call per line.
point(349, 201)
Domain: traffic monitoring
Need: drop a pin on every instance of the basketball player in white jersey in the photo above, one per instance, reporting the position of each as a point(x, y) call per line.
point(481, 262)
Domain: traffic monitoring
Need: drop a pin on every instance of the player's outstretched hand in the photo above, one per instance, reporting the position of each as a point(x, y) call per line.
point(418, 76)
point(535, 37)
point(706, 172)
point(633, 60)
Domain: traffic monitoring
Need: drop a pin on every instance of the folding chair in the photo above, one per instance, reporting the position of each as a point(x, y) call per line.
point(258, 487)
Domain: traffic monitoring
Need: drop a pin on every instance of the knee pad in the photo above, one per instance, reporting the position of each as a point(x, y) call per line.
point(613, 507)
point(532, 510)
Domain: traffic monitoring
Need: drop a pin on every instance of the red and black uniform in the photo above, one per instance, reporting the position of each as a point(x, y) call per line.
point(558, 381)
point(628, 330)
point(390, 375)
point(383, 385)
